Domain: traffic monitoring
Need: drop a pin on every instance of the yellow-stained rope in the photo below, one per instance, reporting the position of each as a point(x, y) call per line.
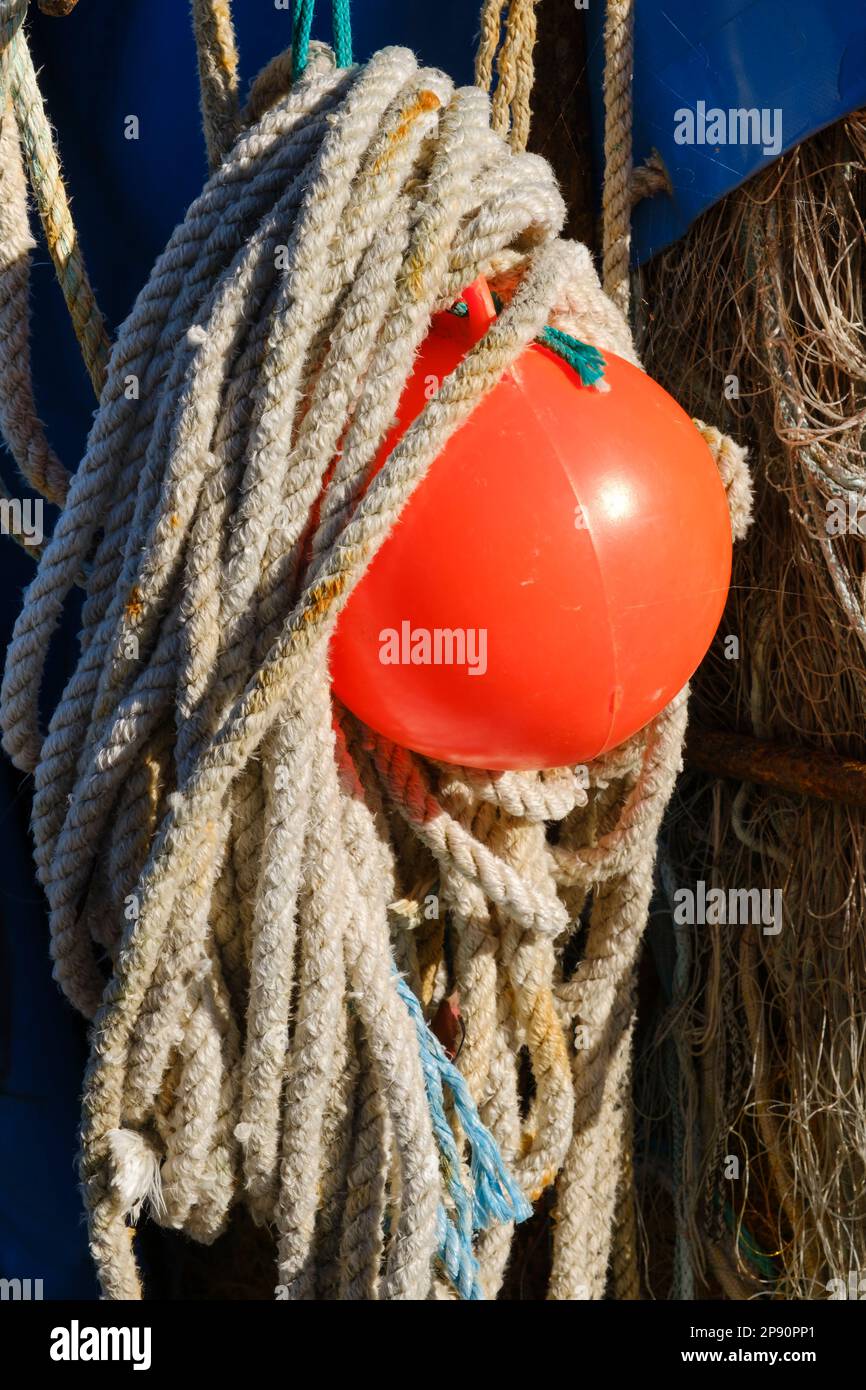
point(218, 76)
point(512, 114)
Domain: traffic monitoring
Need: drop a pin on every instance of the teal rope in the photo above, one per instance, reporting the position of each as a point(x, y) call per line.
point(302, 28)
point(761, 1261)
point(342, 33)
point(583, 358)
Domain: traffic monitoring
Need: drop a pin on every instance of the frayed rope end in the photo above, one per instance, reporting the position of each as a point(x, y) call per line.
point(583, 358)
point(135, 1175)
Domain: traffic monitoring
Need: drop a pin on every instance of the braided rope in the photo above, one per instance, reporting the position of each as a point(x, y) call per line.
point(302, 29)
point(251, 858)
point(342, 20)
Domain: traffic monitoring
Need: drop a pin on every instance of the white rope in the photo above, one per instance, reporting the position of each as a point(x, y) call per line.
point(201, 814)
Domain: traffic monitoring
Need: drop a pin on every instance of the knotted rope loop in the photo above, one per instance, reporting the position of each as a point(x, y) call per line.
point(302, 28)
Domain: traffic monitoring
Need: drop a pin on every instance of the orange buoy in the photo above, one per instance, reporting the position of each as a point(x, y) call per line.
point(554, 580)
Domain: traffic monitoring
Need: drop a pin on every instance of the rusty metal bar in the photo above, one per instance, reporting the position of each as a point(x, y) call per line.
point(786, 767)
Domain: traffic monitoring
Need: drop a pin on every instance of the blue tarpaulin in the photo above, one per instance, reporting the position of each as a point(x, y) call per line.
point(804, 60)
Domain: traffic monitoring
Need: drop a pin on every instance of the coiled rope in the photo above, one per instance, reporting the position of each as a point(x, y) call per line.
point(232, 863)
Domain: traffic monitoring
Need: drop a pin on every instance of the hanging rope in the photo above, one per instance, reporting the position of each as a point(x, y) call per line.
point(617, 193)
point(302, 28)
point(512, 61)
point(233, 864)
point(218, 76)
point(20, 424)
point(19, 80)
point(163, 499)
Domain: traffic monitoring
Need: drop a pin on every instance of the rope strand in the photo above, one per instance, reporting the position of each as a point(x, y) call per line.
point(51, 200)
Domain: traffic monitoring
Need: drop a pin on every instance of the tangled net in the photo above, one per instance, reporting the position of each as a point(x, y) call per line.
point(233, 864)
point(763, 321)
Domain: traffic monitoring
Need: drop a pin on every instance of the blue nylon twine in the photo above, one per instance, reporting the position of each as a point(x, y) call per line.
point(302, 25)
point(495, 1196)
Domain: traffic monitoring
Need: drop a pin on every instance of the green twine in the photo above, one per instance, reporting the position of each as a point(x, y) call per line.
point(583, 358)
point(302, 27)
point(342, 22)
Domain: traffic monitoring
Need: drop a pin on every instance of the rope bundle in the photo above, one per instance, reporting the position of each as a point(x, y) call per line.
point(232, 863)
